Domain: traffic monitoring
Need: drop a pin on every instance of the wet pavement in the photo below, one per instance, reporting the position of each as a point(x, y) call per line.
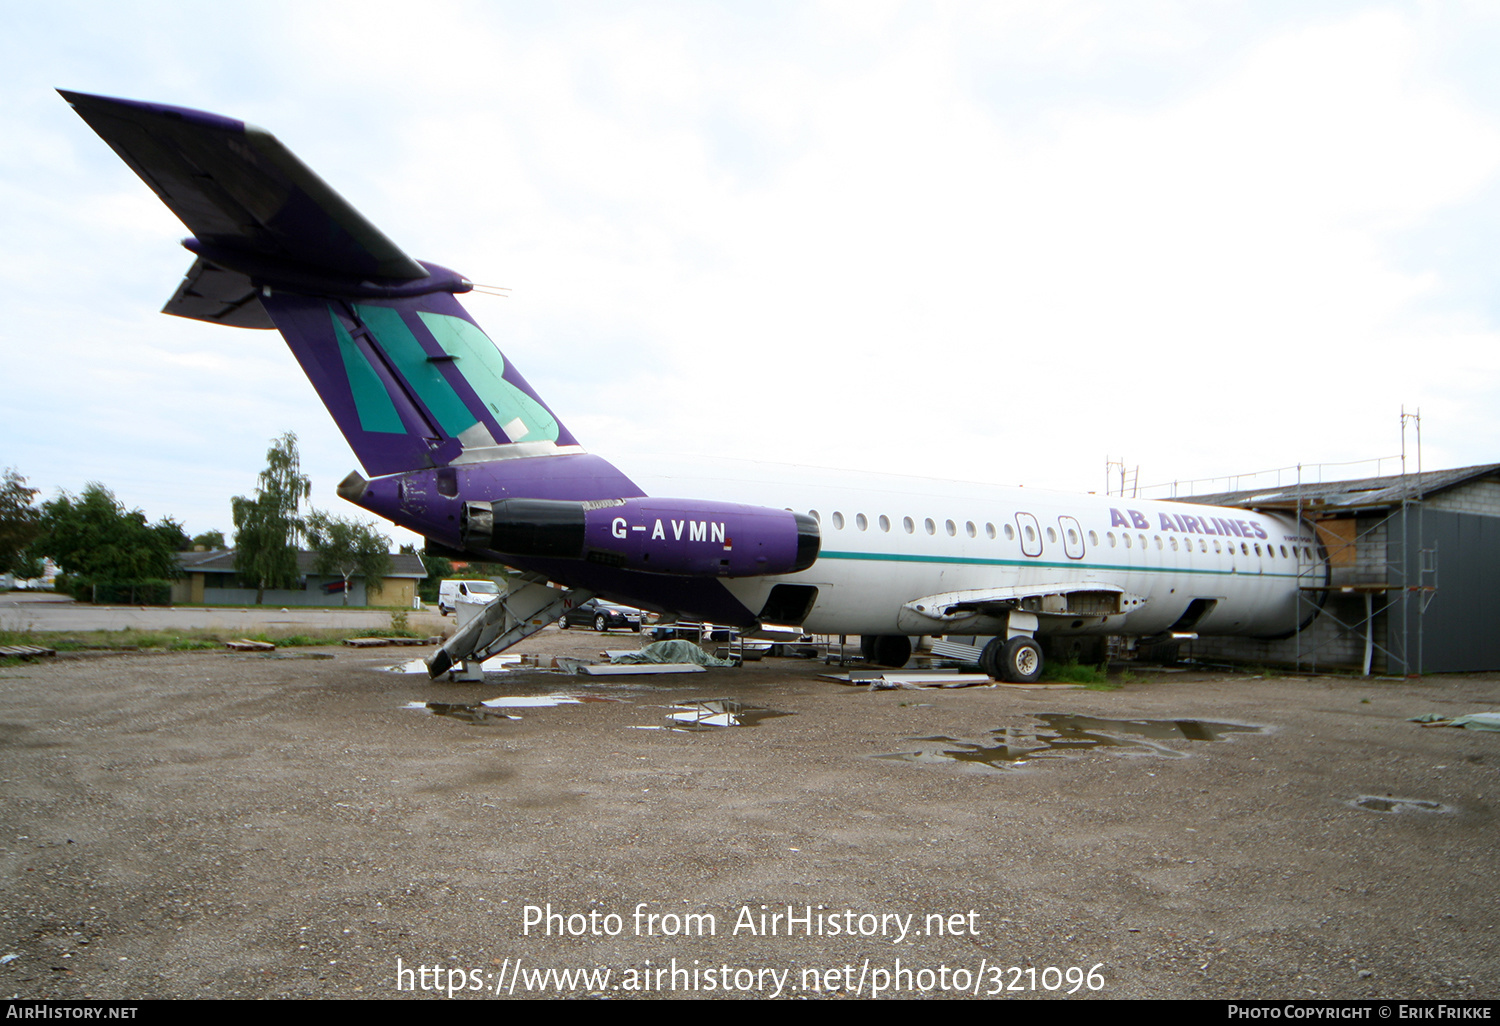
point(208, 824)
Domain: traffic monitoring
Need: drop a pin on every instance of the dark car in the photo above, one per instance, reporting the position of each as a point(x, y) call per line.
point(602, 616)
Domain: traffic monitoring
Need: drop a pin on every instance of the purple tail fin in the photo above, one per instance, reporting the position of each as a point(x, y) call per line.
point(413, 382)
point(410, 378)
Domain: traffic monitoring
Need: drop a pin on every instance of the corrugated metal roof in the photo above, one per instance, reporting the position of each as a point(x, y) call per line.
point(222, 562)
point(1362, 492)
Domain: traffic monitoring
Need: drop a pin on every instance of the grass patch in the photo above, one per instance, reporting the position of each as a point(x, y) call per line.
point(188, 640)
point(192, 645)
point(1073, 672)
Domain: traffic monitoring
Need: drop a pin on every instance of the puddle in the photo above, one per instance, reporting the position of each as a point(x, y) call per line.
point(714, 714)
point(467, 712)
point(1065, 734)
point(530, 701)
point(493, 710)
point(1068, 725)
point(494, 664)
point(1372, 803)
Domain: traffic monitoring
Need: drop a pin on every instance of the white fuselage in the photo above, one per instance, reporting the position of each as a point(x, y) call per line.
point(887, 541)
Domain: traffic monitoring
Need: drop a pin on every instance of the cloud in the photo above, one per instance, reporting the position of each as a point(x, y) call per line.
point(1000, 242)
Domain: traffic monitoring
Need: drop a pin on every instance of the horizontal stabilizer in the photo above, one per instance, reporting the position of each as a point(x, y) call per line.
point(238, 189)
point(210, 293)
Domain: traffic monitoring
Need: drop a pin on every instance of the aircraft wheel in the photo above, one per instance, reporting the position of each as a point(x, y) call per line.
point(563, 624)
point(600, 624)
point(992, 657)
point(1022, 661)
point(892, 650)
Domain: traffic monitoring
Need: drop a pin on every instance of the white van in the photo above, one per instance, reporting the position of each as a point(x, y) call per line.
point(449, 593)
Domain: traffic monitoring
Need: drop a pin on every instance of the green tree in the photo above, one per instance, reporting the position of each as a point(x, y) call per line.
point(20, 522)
point(97, 541)
point(209, 540)
point(348, 547)
point(267, 525)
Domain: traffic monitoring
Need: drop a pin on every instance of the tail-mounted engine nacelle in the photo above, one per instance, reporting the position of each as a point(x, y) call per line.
point(689, 537)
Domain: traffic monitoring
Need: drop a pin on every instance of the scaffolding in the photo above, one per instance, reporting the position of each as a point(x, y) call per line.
point(1407, 584)
point(1118, 475)
point(1397, 587)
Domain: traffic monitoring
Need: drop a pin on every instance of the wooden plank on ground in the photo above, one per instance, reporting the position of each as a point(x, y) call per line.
point(249, 645)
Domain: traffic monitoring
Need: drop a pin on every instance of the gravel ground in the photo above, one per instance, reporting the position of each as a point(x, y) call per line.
point(213, 825)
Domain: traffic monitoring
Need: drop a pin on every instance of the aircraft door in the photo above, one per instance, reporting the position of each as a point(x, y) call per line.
point(1031, 534)
point(1072, 537)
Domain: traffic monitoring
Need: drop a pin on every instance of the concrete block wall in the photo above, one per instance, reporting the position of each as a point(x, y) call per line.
point(1335, 640)
point(1481, 498)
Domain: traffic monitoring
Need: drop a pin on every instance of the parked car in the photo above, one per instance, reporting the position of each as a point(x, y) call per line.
point(602, 616)
point(449, 592)
point(690, 630)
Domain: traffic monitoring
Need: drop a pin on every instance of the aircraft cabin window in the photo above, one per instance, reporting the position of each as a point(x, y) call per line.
point(1111, 539)
point(1283, 553)
point(1094, 538)
point(973, 533)
point(1257, 548)
point(1030, 534)
point(931, 527)
point(1072, 537)
point(1202, 545)
point(814, 514)
point(906, 523)
point(1158, 542)
point(860, 521)
point(989, 531)
point(838, 521)
point(885, 522)
point(1245, 548)
point(952, 530)
point(1052, 536)
point(1142, 537)
point(1010, 533)
point(1217, 546)
point(1127, 541)
point(1174, 544)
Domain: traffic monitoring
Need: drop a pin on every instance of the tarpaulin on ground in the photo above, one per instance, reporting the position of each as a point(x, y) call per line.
point(674, 651)
point(1473, 721)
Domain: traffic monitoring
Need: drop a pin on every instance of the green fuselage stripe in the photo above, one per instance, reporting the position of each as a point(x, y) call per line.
point(894, 557)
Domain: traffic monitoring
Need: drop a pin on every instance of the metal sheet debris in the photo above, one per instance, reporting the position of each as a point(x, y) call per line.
point(26, 651)
point(629, 669)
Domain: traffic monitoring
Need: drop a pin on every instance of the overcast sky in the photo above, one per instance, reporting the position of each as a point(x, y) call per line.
point(999, 242)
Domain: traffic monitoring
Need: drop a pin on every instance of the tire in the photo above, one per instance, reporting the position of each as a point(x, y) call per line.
point(635, 628)
point(992, 657)
point(563, 624)
point(1021, 662)
point(601, 624)
point(893, 650)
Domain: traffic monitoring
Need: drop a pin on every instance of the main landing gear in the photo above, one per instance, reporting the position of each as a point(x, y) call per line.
point(1016, 660)
point(893, 650)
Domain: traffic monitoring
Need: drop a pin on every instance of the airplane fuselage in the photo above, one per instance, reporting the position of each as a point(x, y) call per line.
point(888, 540)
